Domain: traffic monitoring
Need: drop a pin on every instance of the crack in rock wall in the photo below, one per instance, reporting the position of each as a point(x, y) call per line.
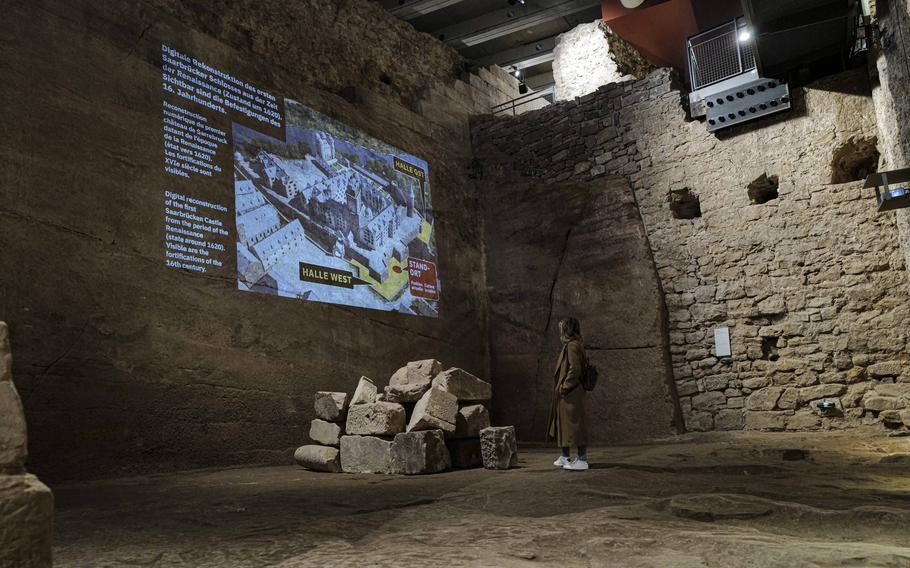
point(812, 284)
point(575, 249)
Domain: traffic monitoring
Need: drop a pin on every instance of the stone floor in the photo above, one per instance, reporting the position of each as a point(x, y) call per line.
point(745, 499)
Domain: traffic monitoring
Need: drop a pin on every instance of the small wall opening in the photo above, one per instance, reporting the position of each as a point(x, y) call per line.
point(854, 160)
point(684, 204)
point(769, 348)
point(763, 189)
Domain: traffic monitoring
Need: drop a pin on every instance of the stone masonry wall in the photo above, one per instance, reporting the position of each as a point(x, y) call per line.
point(891, 71)
point(126, 366)
point(812, 283)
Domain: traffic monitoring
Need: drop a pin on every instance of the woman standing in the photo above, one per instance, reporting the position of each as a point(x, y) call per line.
point(568, 419)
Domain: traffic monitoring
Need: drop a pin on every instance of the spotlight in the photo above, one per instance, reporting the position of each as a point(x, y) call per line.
point(744, 35)
point(519, 2)
point(516, 72)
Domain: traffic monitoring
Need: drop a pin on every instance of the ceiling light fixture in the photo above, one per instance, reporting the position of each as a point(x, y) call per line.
point(744, 35)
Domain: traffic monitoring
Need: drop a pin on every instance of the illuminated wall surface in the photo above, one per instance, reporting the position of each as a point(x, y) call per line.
point(188, 255)
point(315, 209)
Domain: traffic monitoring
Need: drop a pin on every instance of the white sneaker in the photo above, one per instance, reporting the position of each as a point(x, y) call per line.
point(563, 461)
point(576, 465)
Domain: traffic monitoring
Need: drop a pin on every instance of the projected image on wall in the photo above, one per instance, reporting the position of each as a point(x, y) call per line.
point(333, 215)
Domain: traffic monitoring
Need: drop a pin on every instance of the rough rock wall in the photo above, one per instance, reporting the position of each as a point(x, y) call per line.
point(590, 56)
point(810, 283)
point(892, 106)
point(582, 61)
point(125, 365)
point(26, 504)
point(587, 256)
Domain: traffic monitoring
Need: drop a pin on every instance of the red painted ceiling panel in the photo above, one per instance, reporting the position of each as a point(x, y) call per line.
point(659, 28)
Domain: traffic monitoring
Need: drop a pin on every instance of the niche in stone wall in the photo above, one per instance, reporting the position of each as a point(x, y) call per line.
point(854, 160)
point(763, 189)
point(684, 204)
point(769, 348)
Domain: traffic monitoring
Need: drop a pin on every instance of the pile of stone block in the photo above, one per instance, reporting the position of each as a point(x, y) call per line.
point(426, 420)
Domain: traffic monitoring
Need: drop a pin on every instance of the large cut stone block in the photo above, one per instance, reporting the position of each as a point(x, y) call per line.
point(410, 382)
point(396, 394)
point(436, 410)
point(325, 433)
point(365, 393)
point(331, 406)
point(880, 403)
point(13, 440)
point(470, 420)
point(465, 452)
point(499, 447)
point(463, 385)
point(376, 419)
point(6, 355)
point(26, 504)
point(318, 458)
point(885, 369)
point(365, 454)
point(765, 420)
point(26, 522)
point(420, 452)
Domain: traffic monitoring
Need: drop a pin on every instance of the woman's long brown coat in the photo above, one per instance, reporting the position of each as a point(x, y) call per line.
point(568, 418)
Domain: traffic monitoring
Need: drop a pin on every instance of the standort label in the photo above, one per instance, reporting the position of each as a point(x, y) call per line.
point(422, 278)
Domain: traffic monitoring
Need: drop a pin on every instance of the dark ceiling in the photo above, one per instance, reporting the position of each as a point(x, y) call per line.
point(515, 36)
point(521, 35)
point(791, 34)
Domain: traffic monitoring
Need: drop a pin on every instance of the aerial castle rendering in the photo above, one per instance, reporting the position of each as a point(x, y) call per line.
point(331, 215)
